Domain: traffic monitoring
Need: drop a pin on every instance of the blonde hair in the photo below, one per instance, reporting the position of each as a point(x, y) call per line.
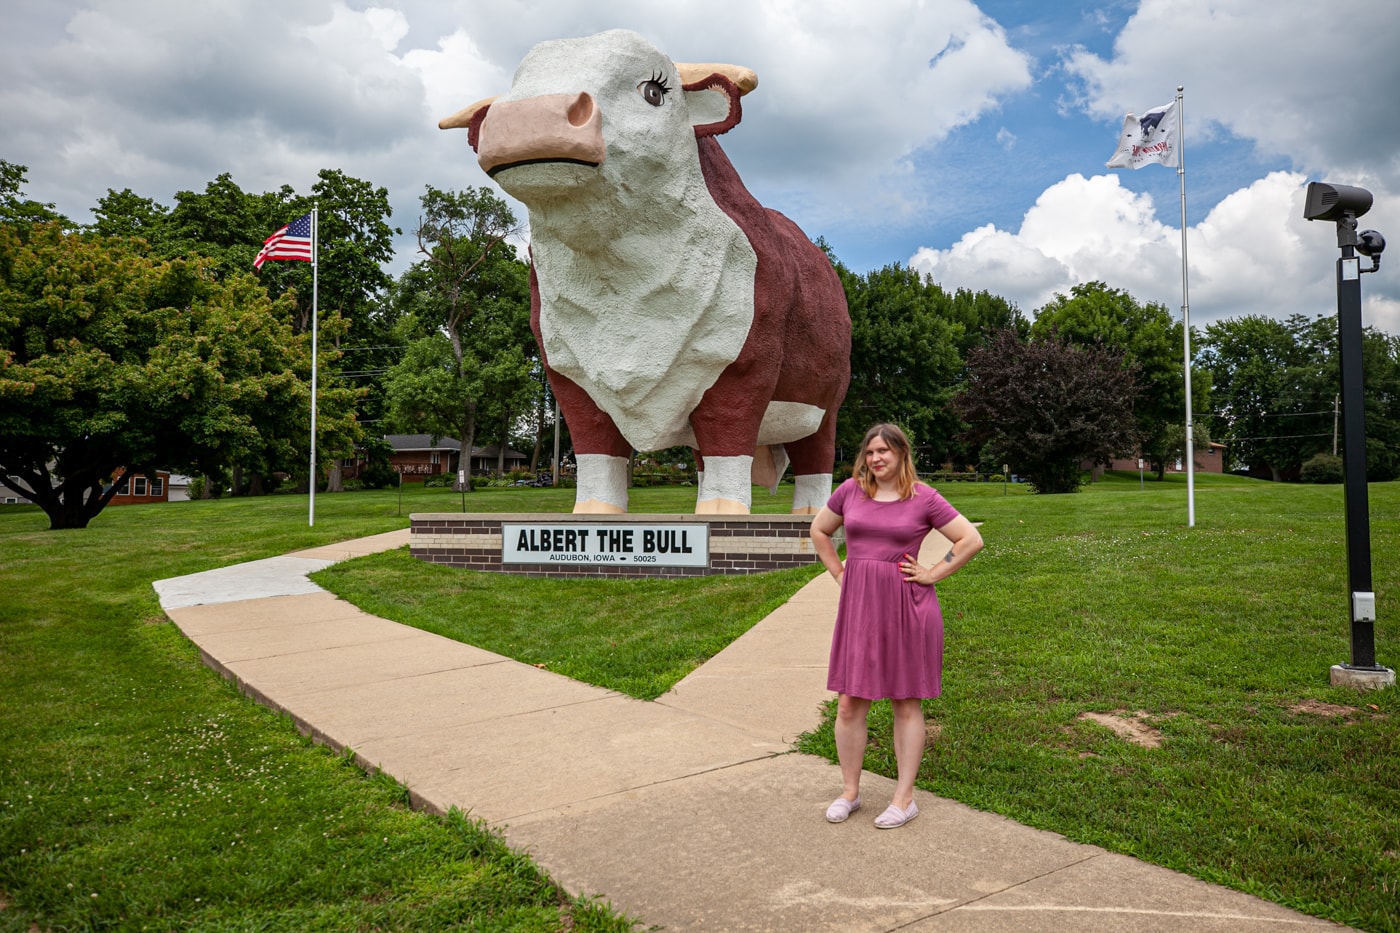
point(905, 477)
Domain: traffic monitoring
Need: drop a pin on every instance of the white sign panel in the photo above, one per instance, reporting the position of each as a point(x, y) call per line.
point(683, 545)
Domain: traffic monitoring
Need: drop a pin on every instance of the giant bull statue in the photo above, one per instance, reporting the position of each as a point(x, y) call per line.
point(669, 305)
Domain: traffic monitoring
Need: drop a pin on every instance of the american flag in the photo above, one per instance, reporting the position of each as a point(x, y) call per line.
point(291, 242)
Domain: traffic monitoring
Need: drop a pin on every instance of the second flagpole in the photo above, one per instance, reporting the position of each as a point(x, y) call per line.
point(1186, 311)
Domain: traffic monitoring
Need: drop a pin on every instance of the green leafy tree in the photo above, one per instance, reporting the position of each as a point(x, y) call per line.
point(1381, 374)
point(113, 361)
point(15, 209)
point(355, 242)
point(981, 315)
point(223, 223)
point(468, 289)
point(127, 214)
point(1151, 343)
point(1046, 405)
point(1278, 385)
point(905, 363)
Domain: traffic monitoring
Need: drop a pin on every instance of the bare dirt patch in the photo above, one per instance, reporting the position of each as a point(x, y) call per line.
point(1131, 727)
point(1318, 708)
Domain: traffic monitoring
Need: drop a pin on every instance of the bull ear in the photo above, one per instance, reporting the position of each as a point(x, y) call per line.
point(714, 105)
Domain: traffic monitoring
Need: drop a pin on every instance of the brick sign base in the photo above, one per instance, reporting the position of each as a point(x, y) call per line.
point(738, 544)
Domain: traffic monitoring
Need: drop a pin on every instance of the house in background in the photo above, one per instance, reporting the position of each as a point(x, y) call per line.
point(141, 489)
point(9, 497)
point(486, 459)
point(1208, 460)
point(178, 488)
point(418, 456)
point(134, 490)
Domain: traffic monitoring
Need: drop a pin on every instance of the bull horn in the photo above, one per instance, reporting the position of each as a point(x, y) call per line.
point(463, 117)
point(744, 78)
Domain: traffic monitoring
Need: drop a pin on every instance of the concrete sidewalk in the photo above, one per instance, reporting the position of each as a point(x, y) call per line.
point(688, 813)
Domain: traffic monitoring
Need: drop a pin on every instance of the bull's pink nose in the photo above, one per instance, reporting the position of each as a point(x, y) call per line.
point(548, 128)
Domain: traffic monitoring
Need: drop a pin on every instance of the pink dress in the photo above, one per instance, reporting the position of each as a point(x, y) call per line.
point(888, 641)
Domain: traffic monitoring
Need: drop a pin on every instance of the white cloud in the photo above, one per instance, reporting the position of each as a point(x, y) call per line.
point(1252, 254)
point(1078, 230)
point(159, 96)
point(456, 74)
point(1300, 87)
point(851, 91)
point(1311, 86)
point(843, 134)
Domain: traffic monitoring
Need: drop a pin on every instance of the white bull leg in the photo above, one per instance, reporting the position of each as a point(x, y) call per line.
point(727, 488)
point(810, 492)
point(602, 484)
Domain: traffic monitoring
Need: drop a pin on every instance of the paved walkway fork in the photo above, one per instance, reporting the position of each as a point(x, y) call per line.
point(690, 812)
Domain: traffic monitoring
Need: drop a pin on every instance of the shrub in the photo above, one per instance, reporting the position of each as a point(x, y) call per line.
point(379, 476)
point(439, 481)
point(1322, 468)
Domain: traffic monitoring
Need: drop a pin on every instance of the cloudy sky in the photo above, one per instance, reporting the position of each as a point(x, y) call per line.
point(965, 138)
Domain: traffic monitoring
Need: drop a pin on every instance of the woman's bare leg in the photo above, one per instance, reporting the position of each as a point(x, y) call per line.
point(851, 732)
point(908, 748)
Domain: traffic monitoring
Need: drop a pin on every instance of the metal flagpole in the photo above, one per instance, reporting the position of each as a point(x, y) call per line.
point(315, 329)
point(1185, 310)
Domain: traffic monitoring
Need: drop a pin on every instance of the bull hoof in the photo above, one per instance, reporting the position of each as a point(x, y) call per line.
point(597, 507)
point(721, 507)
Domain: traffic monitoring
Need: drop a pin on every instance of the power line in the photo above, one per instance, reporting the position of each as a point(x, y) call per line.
point(1278, 437)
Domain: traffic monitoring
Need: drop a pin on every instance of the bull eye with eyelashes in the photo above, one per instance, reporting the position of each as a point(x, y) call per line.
point(655, 89)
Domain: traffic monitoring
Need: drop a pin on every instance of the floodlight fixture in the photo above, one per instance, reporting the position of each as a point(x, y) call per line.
point(1327, 201)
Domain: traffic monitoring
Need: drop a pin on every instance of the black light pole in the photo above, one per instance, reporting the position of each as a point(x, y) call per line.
point(1343, 204)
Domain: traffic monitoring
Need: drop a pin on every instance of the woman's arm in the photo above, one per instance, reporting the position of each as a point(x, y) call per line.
point(966, 541)
point(824, 525)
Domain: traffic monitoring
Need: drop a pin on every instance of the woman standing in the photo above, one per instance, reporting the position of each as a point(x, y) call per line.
point(888, 641)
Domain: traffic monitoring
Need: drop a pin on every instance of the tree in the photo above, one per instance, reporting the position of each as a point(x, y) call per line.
point(17, 210)
point(126, 214)
point(355, 241)
point(225, 224)
point(469, 272)
point(490, 376)
point(1151, 342)
point(904, 359)
point(1380, 354)
point(982, 314)
point(114, 362)
point(1047, 405)
point(1278, 385)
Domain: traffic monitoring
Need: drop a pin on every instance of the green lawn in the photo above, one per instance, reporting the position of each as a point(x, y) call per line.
point(1220, 637)
point(139, 791)
point(130, 772)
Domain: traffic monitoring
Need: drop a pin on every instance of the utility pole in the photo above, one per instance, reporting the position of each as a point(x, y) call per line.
point(1336, 416)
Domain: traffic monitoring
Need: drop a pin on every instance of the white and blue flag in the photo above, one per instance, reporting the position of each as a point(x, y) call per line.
point(1152, 138)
